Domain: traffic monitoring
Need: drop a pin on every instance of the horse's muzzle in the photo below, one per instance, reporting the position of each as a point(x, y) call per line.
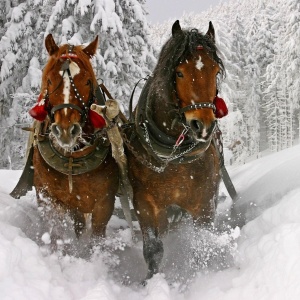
point(66, 137)
point(200, 131)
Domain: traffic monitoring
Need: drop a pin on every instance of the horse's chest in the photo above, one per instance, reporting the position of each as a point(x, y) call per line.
point(88, 188)
point(176, 182)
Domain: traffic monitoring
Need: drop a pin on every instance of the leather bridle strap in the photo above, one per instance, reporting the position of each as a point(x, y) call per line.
point(197, 106)
point(66, 105)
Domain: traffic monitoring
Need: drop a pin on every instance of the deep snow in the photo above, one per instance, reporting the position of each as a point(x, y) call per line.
point(260, 261)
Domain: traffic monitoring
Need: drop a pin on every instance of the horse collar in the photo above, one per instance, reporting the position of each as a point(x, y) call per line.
point(84, 160)
point(161, 146)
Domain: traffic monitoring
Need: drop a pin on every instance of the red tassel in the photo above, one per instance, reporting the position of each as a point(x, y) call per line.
point(96, 120)
point(221, 107)
point(39, 111)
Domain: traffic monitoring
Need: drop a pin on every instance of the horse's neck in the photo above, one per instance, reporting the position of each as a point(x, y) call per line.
point(165, 115)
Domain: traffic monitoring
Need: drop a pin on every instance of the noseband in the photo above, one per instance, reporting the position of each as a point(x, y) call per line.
point(197, 106)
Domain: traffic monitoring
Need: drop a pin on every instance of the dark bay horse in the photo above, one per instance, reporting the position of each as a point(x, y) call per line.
point(171, 157)
point(74, 171)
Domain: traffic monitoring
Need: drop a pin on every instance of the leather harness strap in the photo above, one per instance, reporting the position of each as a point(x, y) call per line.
point(65, 105)
point(197, 106)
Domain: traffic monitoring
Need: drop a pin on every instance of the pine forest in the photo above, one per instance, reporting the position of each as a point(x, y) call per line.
point(258, 40)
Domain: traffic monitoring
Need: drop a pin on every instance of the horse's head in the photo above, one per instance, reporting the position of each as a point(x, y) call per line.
point(196, 80)
point(68, 85)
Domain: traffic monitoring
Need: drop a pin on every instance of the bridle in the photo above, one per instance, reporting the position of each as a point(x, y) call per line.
point(197, 106)
point(83, 112)
point(85, 107)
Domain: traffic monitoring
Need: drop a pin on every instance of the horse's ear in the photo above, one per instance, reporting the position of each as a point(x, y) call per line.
point(50, 44)
point(91, 49)
point(211, 31)
point(176, 28)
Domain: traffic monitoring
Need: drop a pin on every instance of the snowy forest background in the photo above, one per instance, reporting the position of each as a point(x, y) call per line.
point(259, 42)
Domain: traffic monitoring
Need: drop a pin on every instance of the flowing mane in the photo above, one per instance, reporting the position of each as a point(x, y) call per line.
point(179, 48)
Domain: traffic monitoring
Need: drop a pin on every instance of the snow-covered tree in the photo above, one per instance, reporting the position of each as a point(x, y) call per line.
point(291, 63)
point(18, 46)
point(258, 41)
point(125, 53)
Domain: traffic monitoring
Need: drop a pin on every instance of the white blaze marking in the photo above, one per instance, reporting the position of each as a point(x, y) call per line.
point(74, 70)
point(199, 64)
point(204, 133)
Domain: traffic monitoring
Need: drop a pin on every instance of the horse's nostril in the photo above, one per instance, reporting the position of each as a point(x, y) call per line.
point(196, 125)
point(75, 130)
point(55, 130)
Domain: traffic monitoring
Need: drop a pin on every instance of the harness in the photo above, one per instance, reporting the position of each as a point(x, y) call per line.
point(162, 148)
point(198, 106)
point(87, 158)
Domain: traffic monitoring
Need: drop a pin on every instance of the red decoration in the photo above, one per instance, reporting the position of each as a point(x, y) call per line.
point(39, 111)
point(96, 120)
point(221, 107)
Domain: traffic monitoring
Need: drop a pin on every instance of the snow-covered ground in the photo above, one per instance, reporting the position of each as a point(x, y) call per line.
point(261, 260)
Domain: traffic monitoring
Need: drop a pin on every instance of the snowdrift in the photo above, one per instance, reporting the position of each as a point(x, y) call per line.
point(261, 260)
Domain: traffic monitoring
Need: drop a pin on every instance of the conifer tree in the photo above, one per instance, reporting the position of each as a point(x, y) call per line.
point(291, 61)
point(125, 52)
point(18, 45)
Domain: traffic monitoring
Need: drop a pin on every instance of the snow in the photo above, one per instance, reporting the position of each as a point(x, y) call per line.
point(260, 260)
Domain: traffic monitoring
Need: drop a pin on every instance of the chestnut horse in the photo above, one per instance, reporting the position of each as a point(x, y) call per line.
point(74, 171)
point(171, 157)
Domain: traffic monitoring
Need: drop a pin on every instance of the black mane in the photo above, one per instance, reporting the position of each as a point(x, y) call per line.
point(179, 47)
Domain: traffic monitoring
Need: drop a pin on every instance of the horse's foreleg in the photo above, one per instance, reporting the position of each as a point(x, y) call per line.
point(205, 215)
point(153, 250)
point(102, 212)
point(79, 221)
point(152, 245)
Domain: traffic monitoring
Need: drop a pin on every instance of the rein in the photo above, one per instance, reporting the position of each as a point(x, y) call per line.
point(131, 99)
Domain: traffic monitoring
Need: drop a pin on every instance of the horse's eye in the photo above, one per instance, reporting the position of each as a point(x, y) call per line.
point(179, 74)
point(49, 82)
